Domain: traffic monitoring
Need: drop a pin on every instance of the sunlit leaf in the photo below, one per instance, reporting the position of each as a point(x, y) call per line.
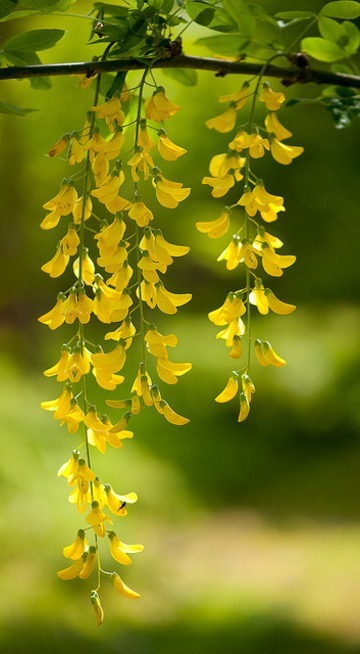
point(322, 49)
point(289, 15)
point(240, 13)
point(6, 7)
point(341, 9)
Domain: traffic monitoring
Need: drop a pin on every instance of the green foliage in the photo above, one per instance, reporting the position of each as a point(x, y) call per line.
point(182, 75)
point(34, 41)
point(341, 9)
point(6, 108)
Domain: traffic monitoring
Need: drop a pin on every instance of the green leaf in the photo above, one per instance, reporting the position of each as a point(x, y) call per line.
point(322, 49)
point(112, 10)
point(22, 58)
point(341, 68)
point(341, 9)
point(205, 14)
point(289, 15)
point(231, 44)
point(61, 5)
point(117, 84)
point(353, 35)
point(187, 77)
point(6, 7)
point(34, 40)
point(332, 30)
point(37, 4)
point(157, 4)
point(6, 108)
point(40, 83)
point(240, 13)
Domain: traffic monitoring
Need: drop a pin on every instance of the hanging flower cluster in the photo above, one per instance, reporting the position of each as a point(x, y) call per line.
point(131, 255)
point(251, 244)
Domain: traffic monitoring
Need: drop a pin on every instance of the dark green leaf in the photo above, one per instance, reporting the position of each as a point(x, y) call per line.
point(112, 10)
point(37, 4)
point(156, 4)
point(239, 12)
point(347, 9)
point(6, 108)
point(289, 15)
point(34, 41)
point(167, 6)
point(353, 35)
point(184, 76)
point(6, 7)
point(22, 58)
point(117, 84)
point(215, 18)
point(231, 44)
point(322, 49)
point(341, 68)
point(40, 83)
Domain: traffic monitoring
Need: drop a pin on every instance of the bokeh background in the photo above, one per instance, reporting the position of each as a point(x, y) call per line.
point(251, 531)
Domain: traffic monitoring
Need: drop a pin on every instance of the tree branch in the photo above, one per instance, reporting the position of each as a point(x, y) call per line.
point(291, 75)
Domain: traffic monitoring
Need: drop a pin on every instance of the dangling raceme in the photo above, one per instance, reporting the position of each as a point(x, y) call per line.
point(251, 242)
point(129, 248)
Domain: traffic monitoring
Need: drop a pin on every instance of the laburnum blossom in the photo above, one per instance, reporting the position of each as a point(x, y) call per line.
point(274, 126)
point(158, 107)
point(62, 204)
point(216, 228)
point(59, 146)
point(264, 300)
point(240, 97)
point(158, 295)
point(258, 199)
point(77, 306)
point(221, 164)
point(167, 370)
point(140, 213)
point(169, 193)
point(77, 548)
point(220, 185)
point(55, 317)
point(223, 123)
point(271, 99)
point(266, 355)
point(169, 150)
point(119, 550)
point(96, 519)
point(56, 266)
point(144, 139)
point(122, 588)
point(254, 142)
point(141, 161)
point(284, 154)
point(111, 111)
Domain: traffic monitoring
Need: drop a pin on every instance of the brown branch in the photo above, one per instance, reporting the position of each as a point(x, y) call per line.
point(291, 75)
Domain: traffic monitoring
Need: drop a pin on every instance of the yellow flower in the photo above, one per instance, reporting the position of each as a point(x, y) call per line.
point(111, 305)
point(64, 201)
point(117, 503)
point(216, 228)
point(230, 389)
point(266, 355)
point(260, 200)
point(223, 123)
point(284, 154)
point(96, 519)
point(73, 570)
point(54, 318)
point(235, 328)
point(232, 308)
point(157, 343)
point(159, 107)
point(125, 332)
point(142, 161)
point(272, 100)
point(119, 550)
point(89, 564)
point(69, 243)
point(232, 253)
point(59, 146)
point(76, 151)
point(60, 368)
point(220, 164)
point(77, 305)
point(73, 417)
point(111, 111)
point(140, 213)
point(169, 371)
point(111, 361)
point(169, 193)
point(247, 386)
point(168, 302)
point(274, 263)
point(170, 415)
point(77, 548)
point(78, 364)
point(169, 150)
point(109, 187)
point(57, 265)
point(144, 139)
point(244, 408)
point(273, 126)
point(220, 185)
point(237, 349)
point(87, 268)
point(240, 98)
point(122, 588)
point(264, 299)
point(111, 235)
point(78, 209)
point(99, 613)
point(254, 142)
point(61, 405)
point(70, 466)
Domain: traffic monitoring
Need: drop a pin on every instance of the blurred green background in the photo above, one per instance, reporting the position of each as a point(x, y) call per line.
point(251, 531)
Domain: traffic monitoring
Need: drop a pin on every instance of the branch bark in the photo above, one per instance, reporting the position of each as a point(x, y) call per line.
point(291, 75)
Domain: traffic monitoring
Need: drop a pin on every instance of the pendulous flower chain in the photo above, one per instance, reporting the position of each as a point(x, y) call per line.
point(251, 242)
point(132, 253)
